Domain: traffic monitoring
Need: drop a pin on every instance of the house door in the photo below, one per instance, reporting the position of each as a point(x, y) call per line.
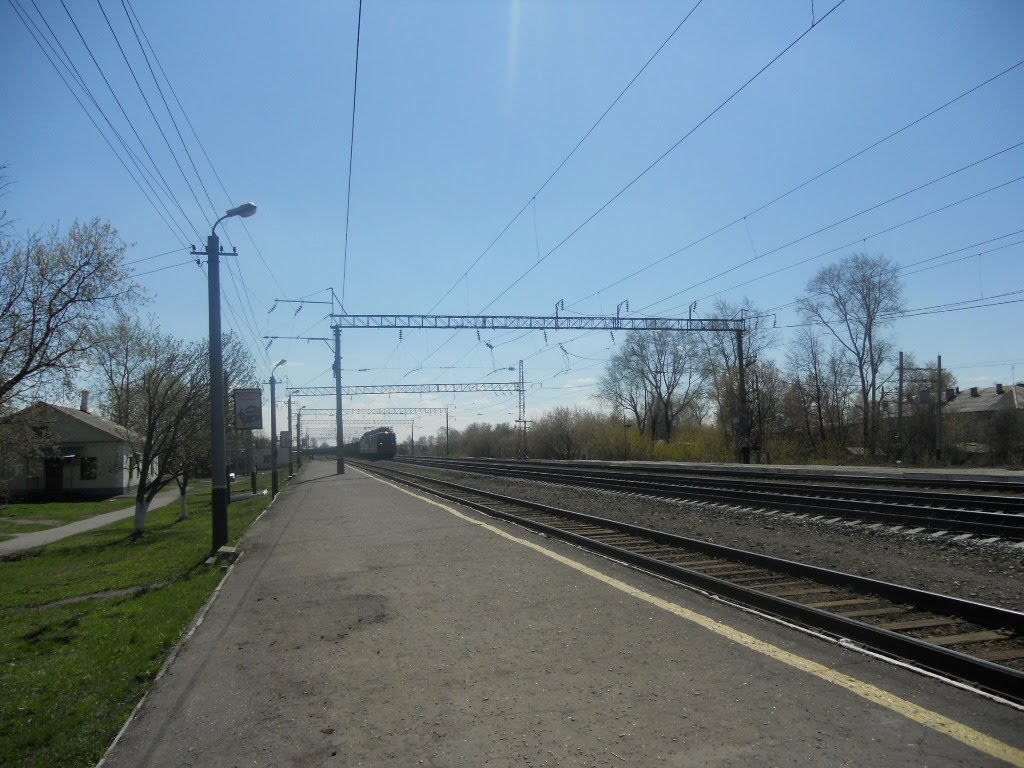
point(54, 475)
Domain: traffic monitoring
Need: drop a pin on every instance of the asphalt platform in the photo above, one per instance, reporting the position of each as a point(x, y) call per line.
point(364, 625)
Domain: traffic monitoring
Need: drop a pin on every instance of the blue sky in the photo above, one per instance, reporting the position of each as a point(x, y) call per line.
point(464, 109)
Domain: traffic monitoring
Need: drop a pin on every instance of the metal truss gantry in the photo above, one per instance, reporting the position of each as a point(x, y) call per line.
point(383, 411)
point(510, 322)
point(406, 389)
point(537, 322)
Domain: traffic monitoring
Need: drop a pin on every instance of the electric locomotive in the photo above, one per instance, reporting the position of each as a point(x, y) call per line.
point(378, 443)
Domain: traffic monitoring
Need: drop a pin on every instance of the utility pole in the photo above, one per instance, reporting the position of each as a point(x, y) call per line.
point(291, 469)
point(251, 450)
point(447, 440)
point(219, 469)
point(273, 436)
point(339, 424)
point(744, 429)
point(412, 439)
point(625, 440)
point(938, 411)
point(298, 436)
point(899, 416)
point(523, 452)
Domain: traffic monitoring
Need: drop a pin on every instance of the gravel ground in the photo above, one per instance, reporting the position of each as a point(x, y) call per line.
point(992, 573)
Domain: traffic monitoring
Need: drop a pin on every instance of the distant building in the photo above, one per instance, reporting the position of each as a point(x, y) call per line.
point(982, 401)
point(987, 419)
point(81, 454)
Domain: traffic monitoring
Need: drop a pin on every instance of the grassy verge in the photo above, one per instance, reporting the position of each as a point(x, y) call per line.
point(86, 624)
point(39, 516)
point(49, 514)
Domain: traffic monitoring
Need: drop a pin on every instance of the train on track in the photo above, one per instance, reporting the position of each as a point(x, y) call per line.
point(378, 443)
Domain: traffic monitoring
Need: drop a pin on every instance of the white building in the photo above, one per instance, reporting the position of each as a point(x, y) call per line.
point(83, 454)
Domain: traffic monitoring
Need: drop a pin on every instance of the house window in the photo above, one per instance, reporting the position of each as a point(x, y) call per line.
point(89, 468)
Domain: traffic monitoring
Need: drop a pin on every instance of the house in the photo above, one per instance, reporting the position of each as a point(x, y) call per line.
point(985, 401)
point(987, 418)
point(80, 454)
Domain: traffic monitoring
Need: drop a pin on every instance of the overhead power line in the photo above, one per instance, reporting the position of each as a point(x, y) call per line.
point(533, 198)
point(199, 142)
point(857, 240)
point(834, 224)
point(802, 184)
point(351, 149)
point(43, 41)
point(643, 173)
point(131, 124)
point(658, 160)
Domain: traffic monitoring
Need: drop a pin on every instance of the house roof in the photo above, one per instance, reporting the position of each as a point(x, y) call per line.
point(106, 426)
point(987, 400)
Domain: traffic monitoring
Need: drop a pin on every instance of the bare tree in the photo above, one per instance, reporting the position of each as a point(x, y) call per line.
point(156, 386)
point(54, 291)
point(855, 299)
point(718, 355)
point(659, 378)
point(823, 384)
point(624, 388)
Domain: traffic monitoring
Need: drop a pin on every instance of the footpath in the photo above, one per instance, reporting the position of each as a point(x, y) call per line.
point(367, 625)
point(23, 541)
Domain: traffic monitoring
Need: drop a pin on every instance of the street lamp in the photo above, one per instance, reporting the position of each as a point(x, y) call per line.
point(273, 429)
point(218, 459)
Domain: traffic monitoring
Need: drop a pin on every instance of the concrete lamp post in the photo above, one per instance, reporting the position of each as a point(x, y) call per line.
point(273, 429)
point(218, 459)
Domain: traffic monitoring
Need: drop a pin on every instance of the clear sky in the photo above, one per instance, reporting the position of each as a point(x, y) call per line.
point(465, 109)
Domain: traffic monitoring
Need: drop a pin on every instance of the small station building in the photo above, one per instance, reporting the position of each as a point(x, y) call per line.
point(77, 454)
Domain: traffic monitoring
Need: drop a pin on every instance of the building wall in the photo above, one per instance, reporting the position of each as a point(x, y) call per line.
point(100, 467)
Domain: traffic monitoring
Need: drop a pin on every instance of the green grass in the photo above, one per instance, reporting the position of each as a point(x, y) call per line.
point(51, 514)
point(61, 512)
point(71, 672)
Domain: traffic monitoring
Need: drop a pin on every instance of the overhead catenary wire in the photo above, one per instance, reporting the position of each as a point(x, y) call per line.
point(657, 160)
point(551, 176)
point(837, 223)
point(857, 240)
point(639, 176)
point(351, 150)
point(805, 183)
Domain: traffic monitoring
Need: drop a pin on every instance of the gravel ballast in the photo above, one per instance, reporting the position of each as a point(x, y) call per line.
point(987, 573)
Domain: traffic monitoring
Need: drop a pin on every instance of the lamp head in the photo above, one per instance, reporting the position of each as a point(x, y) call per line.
point(278, 364)
point(245, 210)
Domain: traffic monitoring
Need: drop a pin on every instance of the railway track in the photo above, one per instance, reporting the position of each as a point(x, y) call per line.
point(989, 514)
point(978, 644)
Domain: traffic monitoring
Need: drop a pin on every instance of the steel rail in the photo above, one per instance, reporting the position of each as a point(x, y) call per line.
point(998, 496)
point(989, 675)
point(856, 476)
point(794, 498)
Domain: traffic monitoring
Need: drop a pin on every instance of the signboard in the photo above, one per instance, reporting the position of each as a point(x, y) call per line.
point(286, 441)
point(248, 409)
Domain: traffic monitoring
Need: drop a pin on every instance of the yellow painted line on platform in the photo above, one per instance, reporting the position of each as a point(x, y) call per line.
point(933, 720)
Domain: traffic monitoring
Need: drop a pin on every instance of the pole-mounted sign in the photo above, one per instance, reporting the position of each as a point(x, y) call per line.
point(248, 408)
